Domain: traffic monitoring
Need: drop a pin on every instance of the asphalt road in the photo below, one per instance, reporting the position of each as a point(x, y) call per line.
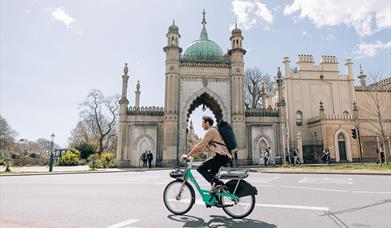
point(134, 199)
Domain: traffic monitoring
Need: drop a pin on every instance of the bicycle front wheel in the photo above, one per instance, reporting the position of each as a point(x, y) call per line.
point(238, 208)
point(179, 197)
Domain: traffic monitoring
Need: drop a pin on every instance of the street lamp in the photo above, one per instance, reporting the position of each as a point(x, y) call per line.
point(51, 153)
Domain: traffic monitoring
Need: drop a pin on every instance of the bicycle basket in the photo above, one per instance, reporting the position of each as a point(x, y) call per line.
point(176, 173)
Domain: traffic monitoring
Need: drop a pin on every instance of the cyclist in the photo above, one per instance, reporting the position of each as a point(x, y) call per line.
point(214, 142)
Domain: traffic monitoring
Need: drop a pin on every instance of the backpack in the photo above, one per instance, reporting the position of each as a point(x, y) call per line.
point(227, 133)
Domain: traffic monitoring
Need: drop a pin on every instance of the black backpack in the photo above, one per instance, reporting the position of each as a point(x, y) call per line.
point(227, 133)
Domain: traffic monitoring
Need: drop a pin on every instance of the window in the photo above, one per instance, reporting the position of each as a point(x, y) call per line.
point(299, 118)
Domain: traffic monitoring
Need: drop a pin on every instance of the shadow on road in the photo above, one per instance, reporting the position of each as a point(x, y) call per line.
point(219, 221)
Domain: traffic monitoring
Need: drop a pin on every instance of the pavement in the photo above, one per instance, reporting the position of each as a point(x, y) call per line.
point(307, 169)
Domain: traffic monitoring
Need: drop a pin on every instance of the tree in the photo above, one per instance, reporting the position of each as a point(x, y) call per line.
point(374, 108)
point(253, 79)
point(98, 124)
point(7, 135)
point(85, 150)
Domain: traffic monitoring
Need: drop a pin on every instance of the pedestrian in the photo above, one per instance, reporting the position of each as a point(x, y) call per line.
point(328, 155)
point(287, 158)
point(144, 158)
point(266, 157)
point(235, 153)
point(295, 162)
point(150, 158)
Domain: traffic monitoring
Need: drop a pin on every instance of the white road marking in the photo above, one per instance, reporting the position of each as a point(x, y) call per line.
point(369, 192)
point(293, 207)
point(200, 202)
point(123, 224)
point(326, 180)
point(317, 189)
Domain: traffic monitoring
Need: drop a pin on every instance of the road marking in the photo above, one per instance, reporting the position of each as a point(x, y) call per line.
point(123, 224)
point(317, 189)
point(200, 202)
point(371, 192)
point(326, 180)
point(293, 207)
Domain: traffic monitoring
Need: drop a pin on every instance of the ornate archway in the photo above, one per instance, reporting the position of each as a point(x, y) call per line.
point(262, 141)
point(142, 143)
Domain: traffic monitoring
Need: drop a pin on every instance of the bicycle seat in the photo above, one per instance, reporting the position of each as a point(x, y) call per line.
point(232, 173)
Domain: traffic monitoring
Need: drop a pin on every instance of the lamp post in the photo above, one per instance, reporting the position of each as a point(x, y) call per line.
point(51, 153)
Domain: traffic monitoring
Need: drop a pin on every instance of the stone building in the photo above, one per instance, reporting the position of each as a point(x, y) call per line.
point(201, 75)
point(310, 109)
point(323, 106)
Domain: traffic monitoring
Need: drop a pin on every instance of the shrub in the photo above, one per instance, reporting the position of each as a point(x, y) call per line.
point(2, 161)
point(106, 160)
point(285, 165)
point(68, 159)
point(83, 162)
point(85, 150)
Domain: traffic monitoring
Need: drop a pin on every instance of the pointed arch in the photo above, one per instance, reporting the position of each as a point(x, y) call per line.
point(348, 145)
point(210, 99)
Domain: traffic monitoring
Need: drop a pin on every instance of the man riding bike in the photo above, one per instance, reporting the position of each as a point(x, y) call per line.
point(214, 142)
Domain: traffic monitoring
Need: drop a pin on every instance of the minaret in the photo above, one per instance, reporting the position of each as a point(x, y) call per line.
point(236, 54)
point(137, 92)
point(281, 105)
point(171, 115)
point(362, 77)
point(122, 156)
point(263, 94)
point(350, 79)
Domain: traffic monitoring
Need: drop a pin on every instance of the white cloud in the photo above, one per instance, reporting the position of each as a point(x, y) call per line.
point(365, 16)
point(59, 14)
point(368, 50)
point(248, 12)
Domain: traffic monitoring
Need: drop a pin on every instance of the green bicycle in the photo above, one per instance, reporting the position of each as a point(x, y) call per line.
point(237, 199)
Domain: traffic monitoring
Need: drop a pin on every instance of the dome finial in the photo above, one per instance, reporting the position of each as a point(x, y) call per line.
point(361, 72)
point(203, 18)
point(173, 21)
point(236, 24)
point(126, 69)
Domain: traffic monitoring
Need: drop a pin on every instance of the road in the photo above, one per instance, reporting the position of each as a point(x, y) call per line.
point(134, 199)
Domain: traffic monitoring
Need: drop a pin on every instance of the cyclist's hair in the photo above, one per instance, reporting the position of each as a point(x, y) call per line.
point(208, 119)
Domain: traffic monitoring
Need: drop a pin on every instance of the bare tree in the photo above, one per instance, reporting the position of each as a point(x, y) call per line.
point(374, 109)
point(7, 136)
point(253, 78)
point(98, 124)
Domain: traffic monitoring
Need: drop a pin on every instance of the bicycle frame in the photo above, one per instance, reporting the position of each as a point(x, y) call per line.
point(209, 199)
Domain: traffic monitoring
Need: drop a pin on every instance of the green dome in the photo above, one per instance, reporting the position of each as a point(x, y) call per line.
point(203, 49)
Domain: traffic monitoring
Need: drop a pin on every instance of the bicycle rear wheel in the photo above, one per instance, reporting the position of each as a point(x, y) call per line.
point(179, 198)
point(238, 208)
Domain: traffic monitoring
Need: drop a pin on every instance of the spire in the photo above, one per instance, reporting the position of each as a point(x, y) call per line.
point(203, 18)
point(362, 77)
point(204, 33)
point(126, 70)
point(137, 92)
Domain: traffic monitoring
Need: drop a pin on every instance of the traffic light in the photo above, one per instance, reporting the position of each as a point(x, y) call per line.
point(354, 133)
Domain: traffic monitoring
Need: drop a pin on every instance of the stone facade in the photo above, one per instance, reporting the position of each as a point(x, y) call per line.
point(200, 79)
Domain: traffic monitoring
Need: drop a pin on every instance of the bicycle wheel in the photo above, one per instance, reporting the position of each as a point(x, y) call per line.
point(178, 199)
point(238, 208)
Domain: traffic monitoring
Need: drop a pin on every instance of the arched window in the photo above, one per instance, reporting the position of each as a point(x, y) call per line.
point(299, 118)
point(346, 113)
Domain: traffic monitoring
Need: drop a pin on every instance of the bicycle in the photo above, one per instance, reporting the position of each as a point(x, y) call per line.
point(237, 199)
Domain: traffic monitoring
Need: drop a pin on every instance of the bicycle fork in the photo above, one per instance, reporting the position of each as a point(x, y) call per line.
point(179, 195)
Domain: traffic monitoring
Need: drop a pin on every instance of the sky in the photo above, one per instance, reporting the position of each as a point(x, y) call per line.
point(53, 53)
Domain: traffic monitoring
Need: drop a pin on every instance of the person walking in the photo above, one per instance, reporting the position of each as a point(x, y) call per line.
point(150, 158)
point(287, 158)
point(144, 158)
point(295, 160)
point(266, 156)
